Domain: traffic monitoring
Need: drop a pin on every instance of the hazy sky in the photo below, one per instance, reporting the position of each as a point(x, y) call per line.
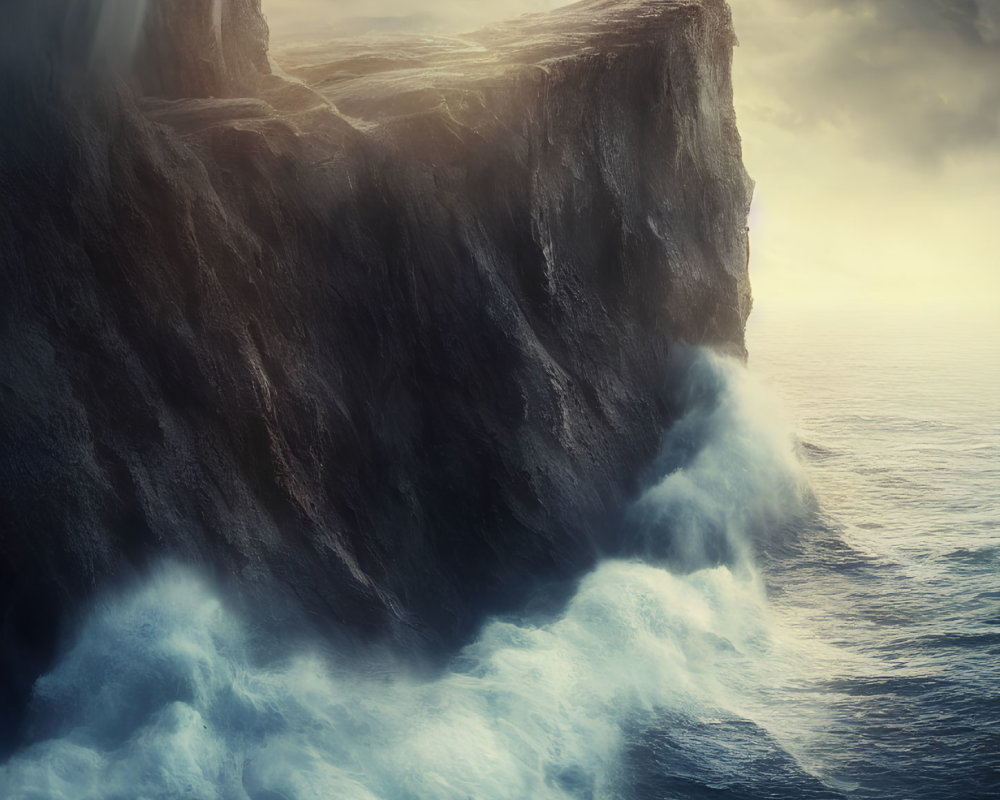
point(872, 129)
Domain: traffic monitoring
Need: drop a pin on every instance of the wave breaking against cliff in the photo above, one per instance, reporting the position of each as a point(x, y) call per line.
point(167, 692)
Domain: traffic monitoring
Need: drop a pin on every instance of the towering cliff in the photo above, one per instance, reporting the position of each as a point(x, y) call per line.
point(383, 331)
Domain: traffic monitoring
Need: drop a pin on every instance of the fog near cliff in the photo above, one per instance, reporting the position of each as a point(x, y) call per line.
point(315, 17)
point(90, 37)
point(872, 128)
point(916, 80)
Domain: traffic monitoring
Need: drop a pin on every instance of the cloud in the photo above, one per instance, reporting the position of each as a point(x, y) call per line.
point(915, 78)
point(988, 20)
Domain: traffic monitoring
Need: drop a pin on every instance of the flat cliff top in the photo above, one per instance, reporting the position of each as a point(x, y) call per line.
point(378, 77)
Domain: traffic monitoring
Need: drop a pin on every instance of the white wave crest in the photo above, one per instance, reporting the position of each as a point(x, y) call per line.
point(168, 693)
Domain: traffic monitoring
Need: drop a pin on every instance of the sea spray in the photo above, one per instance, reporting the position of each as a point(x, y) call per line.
point(168, 693)
point(163, 696)
point(728, 481)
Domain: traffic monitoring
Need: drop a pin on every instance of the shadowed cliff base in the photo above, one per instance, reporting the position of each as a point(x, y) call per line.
point(386, 330)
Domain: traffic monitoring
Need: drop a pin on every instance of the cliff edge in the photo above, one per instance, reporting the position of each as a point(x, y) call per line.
point(384, 327)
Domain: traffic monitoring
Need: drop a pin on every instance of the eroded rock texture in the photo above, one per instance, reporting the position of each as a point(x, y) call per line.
point(386, 328)
point(201, 48)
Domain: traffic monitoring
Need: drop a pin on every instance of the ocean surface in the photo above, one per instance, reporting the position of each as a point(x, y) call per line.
point(806, 605)
point(898, 586)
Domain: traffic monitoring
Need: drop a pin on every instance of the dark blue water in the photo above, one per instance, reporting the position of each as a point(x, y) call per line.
point(812, 616)
point(901, 423)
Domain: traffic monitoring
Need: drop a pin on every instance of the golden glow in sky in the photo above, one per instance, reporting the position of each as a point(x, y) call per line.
point(871, 127)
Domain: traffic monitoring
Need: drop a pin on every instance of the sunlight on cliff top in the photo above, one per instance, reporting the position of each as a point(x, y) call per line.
point(311, 19)
point(836, 222)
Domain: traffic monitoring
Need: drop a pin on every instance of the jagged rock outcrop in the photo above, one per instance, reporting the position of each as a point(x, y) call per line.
point(194, 48)
point(389, 331)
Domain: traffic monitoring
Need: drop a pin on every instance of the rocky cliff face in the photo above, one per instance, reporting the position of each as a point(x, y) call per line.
point(387, 331)
point(201, 48)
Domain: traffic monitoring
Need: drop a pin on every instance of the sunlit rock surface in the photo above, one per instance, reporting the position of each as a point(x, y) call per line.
point(386, 328)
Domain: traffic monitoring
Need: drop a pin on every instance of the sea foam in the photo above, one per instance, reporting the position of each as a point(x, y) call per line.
point(169, 693)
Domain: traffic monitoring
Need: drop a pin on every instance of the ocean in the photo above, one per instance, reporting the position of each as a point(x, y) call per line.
point(899, 586)
point(806, 604)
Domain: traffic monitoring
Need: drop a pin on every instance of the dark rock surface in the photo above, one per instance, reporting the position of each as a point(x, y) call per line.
point(386, 329)
point(201, 48)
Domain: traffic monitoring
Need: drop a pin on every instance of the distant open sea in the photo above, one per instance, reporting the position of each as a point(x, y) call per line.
point(898, 587)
